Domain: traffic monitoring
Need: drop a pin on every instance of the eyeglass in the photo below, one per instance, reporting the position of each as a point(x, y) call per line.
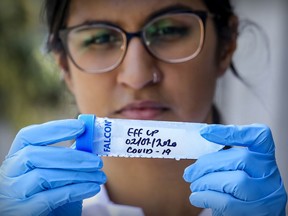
point(172, 38)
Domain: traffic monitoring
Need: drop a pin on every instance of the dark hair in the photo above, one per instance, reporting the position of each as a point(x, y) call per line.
point(56, 12)
point(223, 11)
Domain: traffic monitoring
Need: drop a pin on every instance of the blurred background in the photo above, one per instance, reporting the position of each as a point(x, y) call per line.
point(262, 61)
point(31, 90)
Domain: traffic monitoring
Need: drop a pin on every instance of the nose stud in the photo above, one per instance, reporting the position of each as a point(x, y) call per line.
point(156, 78)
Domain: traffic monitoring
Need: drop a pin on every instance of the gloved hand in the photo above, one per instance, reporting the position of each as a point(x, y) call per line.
point(238, 181)
point(36, 179)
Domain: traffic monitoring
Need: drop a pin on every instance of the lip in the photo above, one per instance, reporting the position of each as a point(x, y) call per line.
point(144, 110)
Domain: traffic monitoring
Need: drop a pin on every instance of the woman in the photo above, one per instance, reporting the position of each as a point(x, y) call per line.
point(148, 60)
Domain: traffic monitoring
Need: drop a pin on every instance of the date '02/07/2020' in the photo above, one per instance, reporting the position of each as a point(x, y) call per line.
point(138, 137)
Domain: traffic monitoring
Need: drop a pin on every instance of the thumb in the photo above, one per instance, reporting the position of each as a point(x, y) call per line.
point(257, 137)
point(47, 133)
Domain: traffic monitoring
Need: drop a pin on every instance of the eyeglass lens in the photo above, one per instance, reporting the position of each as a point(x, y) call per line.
point(171, 38)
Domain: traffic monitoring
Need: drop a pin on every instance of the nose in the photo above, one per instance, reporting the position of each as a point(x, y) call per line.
point(138, 66)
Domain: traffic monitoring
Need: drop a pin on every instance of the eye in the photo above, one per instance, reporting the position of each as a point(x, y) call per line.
point(98, 40)
point(100, 37)
point(172, 31)
point(167, 30)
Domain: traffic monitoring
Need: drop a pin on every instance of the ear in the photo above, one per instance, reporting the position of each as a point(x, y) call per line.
point(62, 63)
point(229, 48)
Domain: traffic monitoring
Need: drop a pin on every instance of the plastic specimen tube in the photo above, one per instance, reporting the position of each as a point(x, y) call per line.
point(143, 138)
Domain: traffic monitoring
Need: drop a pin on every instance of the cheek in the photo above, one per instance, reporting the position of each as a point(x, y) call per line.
point(192, 84)
point(91, 92)
point(192, 92)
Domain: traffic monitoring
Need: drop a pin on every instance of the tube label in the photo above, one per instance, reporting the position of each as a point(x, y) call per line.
point(150, 139)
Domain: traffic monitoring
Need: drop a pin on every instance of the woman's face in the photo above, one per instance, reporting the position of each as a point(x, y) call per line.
point(184, 91)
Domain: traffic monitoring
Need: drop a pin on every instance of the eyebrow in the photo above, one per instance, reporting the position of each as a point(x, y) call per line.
point(166, 10)
point(170, 9)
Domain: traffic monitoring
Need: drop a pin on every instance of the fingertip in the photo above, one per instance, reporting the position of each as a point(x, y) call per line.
point(186, 178)
point(70, 128)
point(85, 190)
point(75, 124)
point(187, 174)
point(208, 128)
point(104, 178)
point(100, 163)
point(97, 188)
point(215, 133)
point(88, 160)
point(196, 200)
point(215, 139)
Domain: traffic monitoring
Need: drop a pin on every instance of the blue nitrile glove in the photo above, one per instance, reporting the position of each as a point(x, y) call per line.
point(238, 181)
point(36, 179)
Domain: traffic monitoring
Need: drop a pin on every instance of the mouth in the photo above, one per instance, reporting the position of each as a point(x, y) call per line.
point(143, 110)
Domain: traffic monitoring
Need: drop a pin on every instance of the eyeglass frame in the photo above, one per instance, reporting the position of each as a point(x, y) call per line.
point(200, 14)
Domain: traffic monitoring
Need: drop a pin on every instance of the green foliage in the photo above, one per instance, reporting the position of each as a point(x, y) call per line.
point(30, 90)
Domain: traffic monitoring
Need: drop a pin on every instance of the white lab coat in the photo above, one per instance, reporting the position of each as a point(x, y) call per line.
point(101, 205)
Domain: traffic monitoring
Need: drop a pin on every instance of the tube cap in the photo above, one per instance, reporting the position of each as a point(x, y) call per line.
point(85, 141)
